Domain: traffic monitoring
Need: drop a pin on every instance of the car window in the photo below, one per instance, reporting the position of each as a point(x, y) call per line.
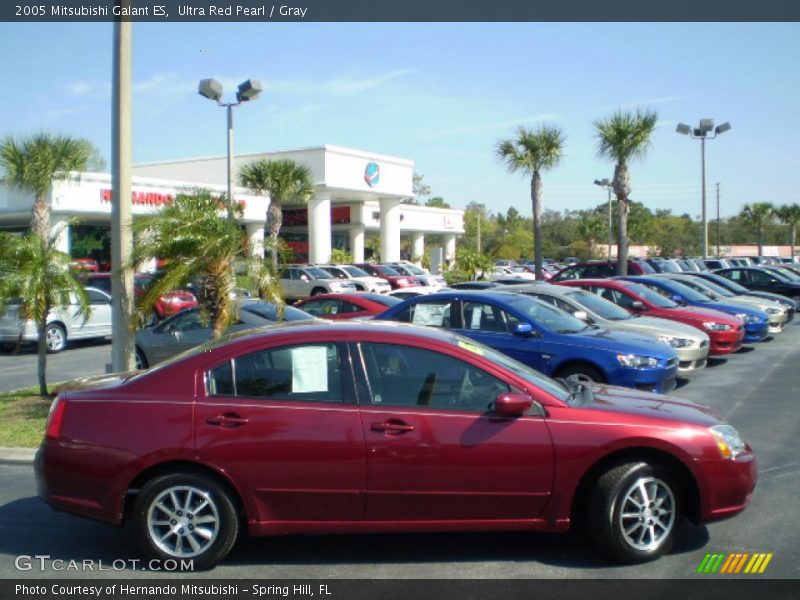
point(545, 315)
point(101, 283)
point(96, 297)
point(317, 273)
point(415, 377)
point(349, 307)
point(356, 272)
point(574, 272)
point(322, 308)
point(611, 310)
point(307, 373)
point(338, 273)
point(736, 275)
point(435, 313)
point(186, 321)
point(479, 316)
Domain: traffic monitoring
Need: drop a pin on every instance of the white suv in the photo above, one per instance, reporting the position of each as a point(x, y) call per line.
point(363, 281)
point(301, 281)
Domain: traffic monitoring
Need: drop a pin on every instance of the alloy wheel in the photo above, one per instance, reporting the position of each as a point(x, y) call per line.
point(183, 521)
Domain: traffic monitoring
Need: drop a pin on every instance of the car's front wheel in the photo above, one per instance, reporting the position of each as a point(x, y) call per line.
point(55, 337)
point(141, 360)
point(581, 373)
point(186, 516)
point(634, 512)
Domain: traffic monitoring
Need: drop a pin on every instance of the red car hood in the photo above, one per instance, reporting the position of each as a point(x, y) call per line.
point(695, 312)
point(644, 404)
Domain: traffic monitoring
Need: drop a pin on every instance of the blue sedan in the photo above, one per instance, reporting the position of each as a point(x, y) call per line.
point(756, 322)
point(545, 338)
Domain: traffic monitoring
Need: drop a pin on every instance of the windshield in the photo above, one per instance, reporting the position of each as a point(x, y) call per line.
point(535, 378)
point(788, 274)
point(384, 270)
point(356, 272)
point(545, 315)
point(268, 311)
point(717, 289)
point(601, 306)
point(690, 295)
point(414, 269)
point(338, 273)
point(652, 297)
point(317, 273)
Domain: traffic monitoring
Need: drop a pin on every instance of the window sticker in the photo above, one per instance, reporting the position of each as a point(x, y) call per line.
point(309, 369)
point(430, 314)
point(475, 322)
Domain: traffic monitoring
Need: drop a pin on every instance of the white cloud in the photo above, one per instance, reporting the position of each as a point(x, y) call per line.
point(348, 85)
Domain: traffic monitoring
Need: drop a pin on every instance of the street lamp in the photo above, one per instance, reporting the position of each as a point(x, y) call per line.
point(702, 132)
point(248, 90)
point(607, 184)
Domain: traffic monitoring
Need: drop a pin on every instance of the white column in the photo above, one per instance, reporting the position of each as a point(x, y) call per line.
point(61, 226)
point(390, 229)
point(357, 243)
point(319, 228)
point(417, 245)
point(255, 239)
point(450, 248)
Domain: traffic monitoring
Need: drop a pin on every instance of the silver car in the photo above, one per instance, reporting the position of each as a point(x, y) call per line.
point(691, 344)
point(63, 324)
point(777, 312)
point(363, 281)
point(186, 330)
point(421, 275)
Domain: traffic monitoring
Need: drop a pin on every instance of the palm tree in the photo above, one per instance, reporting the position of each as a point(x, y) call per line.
point(591, 228)
point(790, 215)
point(37, 274)
point(33, 163)
point(531, 152)
point(286, 182)
point(757, 215)
point(623, 136)
point(200, 245)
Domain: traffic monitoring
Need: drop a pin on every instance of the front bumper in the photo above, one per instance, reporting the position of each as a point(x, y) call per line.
point(728, 486)
point(691, 359)
point(755, 332)
point(725, 342)
point(658, 380)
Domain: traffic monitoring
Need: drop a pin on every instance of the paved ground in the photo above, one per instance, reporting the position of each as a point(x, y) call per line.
point(757, 390)
point(80, 359)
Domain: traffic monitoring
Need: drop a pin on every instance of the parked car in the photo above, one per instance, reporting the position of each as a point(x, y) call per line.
point(266, 432)
point(777, 315)
point(412, 292)
point(168, 304)
point(84, 265)
point(395, 278)
point(424, 278)
point(507, 273)
point(762, 280)
point(662, 265)
point(739, 290)
point(724, 331)
point(363, 281)
point(358, 305)
point(474, 285)
point(599, 268)
point(302, 281)
point(756, 322)
point(545, 338)
point(691, 344)
point(63, 324)
point(186, 330)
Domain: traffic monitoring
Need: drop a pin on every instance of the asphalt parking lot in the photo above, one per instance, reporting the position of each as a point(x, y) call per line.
point(756, 389)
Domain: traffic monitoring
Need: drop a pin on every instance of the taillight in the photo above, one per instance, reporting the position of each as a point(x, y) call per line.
point(56, 417)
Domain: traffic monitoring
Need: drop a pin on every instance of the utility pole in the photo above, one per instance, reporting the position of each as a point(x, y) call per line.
point(121, 219)
point(480, 218)
point(719, 234)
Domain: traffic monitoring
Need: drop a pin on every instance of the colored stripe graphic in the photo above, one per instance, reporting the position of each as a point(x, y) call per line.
point(735, 563)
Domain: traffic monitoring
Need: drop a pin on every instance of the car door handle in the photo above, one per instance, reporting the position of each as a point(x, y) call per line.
point(227, 420)
point(392, 427)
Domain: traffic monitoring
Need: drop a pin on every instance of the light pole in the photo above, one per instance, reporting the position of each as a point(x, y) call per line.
point(606, 183)
point(248, 90)
point(702, 133)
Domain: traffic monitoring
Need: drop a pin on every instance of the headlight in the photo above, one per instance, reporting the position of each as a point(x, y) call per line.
point(635, 361)
point(712, 326)
point(729, 442)
point(774, 311)
point(675, 342)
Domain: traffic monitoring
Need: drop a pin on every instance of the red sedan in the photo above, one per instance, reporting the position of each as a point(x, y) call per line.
point(316, 427)
point(167, 304)
point(725, 332)
point(360, 305)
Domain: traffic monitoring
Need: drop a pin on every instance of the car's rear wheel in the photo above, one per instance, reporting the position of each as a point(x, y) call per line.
point(55, 337)
point(634, 512)
point(581, 374)
point(186, 516)
point(317, 291)
point(141, 360)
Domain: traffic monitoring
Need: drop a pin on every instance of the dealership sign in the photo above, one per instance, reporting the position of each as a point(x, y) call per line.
point(372, 174)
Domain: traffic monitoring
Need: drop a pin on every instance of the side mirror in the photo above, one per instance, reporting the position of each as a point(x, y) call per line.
point(523, 329)
point(678, 298)
point(637, 305)
point(581, 315)
point(512, 405)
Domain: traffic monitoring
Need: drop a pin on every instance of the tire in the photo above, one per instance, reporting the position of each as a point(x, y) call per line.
point(582, 374)
point(317, 291)
point(141, 360)
point(634, 512)
point(55, 338)
point(165, 530)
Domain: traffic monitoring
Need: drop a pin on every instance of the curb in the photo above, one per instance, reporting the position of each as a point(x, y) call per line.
point(17, 456)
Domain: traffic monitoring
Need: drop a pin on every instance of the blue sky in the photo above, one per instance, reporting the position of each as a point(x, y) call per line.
point(440, 94)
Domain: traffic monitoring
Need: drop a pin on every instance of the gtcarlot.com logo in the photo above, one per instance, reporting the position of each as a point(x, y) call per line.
point(734, 564)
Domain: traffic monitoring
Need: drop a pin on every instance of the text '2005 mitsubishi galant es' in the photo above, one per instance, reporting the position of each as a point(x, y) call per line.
point(351, 427)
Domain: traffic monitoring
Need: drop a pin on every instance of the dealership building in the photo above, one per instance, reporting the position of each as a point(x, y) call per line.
point(356, 194)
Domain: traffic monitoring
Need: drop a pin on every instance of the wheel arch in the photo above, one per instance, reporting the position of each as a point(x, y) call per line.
point(576, 362)
point(688, 485)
